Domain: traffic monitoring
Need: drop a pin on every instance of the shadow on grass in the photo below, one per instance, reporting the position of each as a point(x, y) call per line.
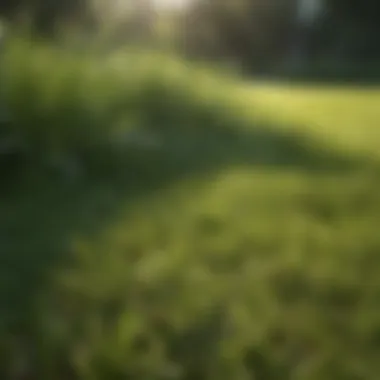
point(322, 81)
point(354, 75)
point(41, 216)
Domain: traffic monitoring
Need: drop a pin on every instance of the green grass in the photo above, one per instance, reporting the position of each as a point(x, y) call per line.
point(244, 245)
point(345, 116)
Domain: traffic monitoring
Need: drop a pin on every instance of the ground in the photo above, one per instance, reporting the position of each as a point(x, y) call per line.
point(278, 226)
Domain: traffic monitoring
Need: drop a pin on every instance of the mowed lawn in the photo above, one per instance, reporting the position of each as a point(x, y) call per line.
point(272, 264)
point(346, 116)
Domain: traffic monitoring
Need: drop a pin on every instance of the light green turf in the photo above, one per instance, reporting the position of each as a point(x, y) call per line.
point(346, 116)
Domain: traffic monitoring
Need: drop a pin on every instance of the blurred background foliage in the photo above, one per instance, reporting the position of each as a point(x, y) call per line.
point(258, 35)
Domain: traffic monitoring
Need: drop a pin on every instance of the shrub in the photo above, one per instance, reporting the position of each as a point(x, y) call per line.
point(63, 103)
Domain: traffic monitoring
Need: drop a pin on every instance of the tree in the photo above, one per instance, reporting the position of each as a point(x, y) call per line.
point(45, 15)
point(357, 25)
point(255, 32)
point(261, 33)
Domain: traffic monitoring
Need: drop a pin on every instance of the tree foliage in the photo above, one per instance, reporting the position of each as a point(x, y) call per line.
point(259, 33)
point(254, 31)
point(44, 15)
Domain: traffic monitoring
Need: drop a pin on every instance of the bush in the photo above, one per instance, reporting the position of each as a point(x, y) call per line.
point(62, 103)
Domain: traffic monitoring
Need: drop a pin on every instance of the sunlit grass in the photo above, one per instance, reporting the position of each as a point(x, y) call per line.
point(346, 116)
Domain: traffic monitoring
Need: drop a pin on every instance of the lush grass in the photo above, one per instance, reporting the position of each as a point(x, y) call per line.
point(346, 116)
point(243, 244)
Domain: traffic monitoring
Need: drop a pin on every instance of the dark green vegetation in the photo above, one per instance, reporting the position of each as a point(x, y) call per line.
point(261, 36)
point(336, 40)
point(210, 244)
